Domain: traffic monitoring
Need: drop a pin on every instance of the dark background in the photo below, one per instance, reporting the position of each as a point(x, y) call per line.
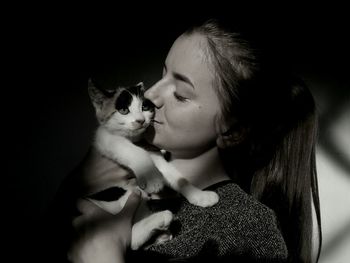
point(47, 116)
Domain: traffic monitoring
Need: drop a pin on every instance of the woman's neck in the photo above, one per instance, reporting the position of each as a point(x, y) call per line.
point(203, 170)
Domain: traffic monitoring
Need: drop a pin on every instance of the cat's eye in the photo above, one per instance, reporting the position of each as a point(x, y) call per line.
point(124, 111)
point(123, 102)
point(147, 105)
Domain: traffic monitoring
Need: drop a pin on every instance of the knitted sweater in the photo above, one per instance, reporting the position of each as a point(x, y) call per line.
point(238, 228)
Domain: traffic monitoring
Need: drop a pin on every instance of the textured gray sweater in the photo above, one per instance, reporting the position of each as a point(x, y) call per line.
point(239, 229)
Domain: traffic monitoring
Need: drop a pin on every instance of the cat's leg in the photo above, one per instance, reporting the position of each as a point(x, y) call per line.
point(176, 181)
point(143, 230)
point(124, 152)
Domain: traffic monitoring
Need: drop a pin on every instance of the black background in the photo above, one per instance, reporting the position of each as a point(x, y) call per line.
point(48, 121)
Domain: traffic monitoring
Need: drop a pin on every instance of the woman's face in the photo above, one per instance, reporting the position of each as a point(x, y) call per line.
point(187, 106)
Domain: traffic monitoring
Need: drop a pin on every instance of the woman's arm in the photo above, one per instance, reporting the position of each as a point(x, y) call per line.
point(92, 175)
point(101, 236)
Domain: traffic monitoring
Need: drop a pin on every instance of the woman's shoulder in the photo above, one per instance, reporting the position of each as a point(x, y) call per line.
point(239, 218)
point(241, 211)
point(237, 225)
point(233, 200)
point(234, 206)
point(236, 202)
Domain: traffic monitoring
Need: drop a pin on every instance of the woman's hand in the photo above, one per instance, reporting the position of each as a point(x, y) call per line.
point(100, 236)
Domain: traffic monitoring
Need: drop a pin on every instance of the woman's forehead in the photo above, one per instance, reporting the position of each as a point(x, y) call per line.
point(187, 49)
point(188, 57)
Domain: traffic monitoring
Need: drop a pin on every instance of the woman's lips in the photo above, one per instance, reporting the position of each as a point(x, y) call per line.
point(156, 121)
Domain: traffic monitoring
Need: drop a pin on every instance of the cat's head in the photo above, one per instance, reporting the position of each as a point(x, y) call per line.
point(122, 110)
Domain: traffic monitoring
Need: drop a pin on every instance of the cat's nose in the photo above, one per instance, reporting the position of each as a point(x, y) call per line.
point(140, 120)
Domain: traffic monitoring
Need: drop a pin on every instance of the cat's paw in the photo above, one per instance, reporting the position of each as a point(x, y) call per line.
point(203, 198)
point(147, 228)
point(166, 217)
point(153, 183)
point(166, 236)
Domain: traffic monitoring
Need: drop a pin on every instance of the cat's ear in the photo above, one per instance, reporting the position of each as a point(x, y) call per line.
point(141, 86)
point(96, 95)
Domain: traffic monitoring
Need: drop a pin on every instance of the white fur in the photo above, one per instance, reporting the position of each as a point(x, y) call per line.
point(124, 152)
point(176, 181)
point(157, 221)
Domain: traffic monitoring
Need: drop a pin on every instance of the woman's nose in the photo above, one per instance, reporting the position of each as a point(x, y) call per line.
point(153, 94)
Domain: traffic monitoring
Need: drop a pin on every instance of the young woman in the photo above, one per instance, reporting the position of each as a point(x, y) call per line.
point(234, 125)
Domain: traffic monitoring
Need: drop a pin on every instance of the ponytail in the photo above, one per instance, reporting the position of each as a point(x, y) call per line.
point(287, 183)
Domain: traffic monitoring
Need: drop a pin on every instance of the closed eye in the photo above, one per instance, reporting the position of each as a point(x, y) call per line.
point(179, 97)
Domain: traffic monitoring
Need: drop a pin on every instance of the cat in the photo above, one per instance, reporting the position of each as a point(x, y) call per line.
point(124, 115)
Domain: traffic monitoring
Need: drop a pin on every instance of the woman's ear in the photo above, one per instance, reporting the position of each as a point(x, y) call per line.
point(231, 136)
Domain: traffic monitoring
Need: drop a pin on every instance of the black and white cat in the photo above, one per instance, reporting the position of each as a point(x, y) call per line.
point(124, 115)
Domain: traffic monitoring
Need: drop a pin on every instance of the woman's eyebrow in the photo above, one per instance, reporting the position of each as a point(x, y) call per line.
point(181, 77)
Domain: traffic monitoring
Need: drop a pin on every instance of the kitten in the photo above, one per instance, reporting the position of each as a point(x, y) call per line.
point(124, 115)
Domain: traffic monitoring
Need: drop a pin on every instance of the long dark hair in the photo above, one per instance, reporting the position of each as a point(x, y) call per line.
point(272, 135)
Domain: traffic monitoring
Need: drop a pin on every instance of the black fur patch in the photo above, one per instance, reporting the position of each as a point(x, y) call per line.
point(123, 101)
point(110, 194)
point(136, 90)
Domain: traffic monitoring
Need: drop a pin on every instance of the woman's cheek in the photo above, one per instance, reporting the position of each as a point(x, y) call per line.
point(180, 119)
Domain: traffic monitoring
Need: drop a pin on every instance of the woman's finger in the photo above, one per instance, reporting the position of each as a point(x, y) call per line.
point(89, 212)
